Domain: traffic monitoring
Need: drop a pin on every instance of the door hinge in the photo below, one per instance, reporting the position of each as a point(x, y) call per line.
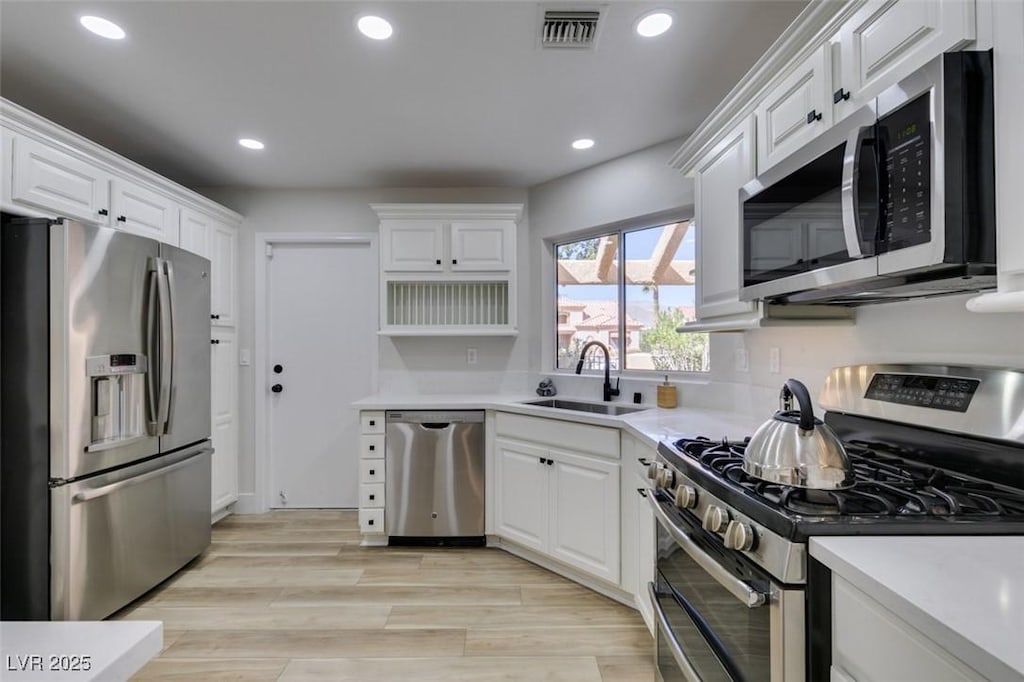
point(270, 250)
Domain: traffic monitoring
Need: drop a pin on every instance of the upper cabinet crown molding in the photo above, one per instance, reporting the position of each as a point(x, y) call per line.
point(24, 122)
point(449, 212)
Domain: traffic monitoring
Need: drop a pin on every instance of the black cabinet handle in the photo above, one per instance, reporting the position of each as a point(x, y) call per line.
point(121, 219)
point(373, 472)
point(277, 388)
point(215, 342)
point(550, 462)
point(103, 211)
point(370, 522)
point(542, 460)
point(642, 491)
point(373, 422)
point(214, 317)
point(438, 261)
point(372, 448)
point(372, 498)
point(840, 95)
point(644, 461)
point(454, 262)
point(813, 116)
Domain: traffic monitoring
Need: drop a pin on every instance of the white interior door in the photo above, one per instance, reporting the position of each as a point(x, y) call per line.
point(322, 318)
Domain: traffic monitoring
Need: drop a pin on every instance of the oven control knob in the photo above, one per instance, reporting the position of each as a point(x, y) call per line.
point(740, 536)
point(652, 471)
point(686, 497)
point(715, 519)
point(666, 478)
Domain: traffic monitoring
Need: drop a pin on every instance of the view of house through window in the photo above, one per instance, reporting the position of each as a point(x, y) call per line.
point(640, 331)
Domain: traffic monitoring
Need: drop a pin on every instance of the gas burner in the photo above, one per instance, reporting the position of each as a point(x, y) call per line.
point(887, 484)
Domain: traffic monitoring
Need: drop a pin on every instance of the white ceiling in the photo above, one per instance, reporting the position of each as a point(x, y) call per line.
point(460, 96)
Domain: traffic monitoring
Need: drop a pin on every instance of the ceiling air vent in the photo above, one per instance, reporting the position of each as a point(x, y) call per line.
point(567, 28)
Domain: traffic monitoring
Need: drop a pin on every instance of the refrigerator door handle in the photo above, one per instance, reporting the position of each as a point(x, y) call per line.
point(103, 491)
point(164, 282)
point(152, 342)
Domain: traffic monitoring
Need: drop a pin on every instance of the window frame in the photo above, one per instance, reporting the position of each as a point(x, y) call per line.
point(620, 231)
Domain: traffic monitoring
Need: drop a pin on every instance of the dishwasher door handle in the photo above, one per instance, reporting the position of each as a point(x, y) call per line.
point(435, 425)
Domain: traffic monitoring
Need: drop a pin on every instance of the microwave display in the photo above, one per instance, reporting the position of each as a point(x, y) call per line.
point(905, 140)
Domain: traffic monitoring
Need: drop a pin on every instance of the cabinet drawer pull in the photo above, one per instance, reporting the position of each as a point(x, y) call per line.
point(215, 342)
point(214, 317)
point(373, 472)
point(121, 219)
point(372, 498)
point(370, 522)
point(372, 448)
point(550, 462)
point(643, 460)
point(813, 116)
point(437, 262)
point(642, 491)
point(454, 262)
point(103, 211)
point(840, 95)
point(373, 422)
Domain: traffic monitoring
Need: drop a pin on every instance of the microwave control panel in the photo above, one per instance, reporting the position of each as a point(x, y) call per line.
point(906, 136)
point(940, 393)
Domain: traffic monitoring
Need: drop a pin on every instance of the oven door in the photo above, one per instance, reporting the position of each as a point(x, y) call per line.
point(720, 618)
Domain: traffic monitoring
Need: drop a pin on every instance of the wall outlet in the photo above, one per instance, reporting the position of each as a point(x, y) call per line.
point(742, 359)
point(471, 356)
point(775, 360)
point(243, 357)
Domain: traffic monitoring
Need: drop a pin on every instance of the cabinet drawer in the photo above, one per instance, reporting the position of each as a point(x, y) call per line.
point(371, 422)
point(371, 495)
point(556, 433)
point(371, 471)
point(371, 520)
point(371, 447)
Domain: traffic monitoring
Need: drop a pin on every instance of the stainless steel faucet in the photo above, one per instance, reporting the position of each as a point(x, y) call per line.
point(608, 390)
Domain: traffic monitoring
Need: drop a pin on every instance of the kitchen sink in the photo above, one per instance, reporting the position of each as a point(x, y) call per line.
point(578, 406)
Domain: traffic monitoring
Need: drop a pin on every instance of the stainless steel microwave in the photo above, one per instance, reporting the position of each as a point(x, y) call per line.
point(896, 201)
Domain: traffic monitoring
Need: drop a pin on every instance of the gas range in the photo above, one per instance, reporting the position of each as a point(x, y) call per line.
point(910, 478)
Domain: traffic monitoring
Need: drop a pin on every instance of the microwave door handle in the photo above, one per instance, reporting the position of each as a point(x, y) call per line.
point(851, 168)
point(739, 589)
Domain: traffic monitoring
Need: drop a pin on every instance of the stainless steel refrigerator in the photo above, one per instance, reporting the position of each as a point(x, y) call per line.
point(105, 404)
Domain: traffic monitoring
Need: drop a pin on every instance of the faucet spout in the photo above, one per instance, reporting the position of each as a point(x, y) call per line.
point(608, 390)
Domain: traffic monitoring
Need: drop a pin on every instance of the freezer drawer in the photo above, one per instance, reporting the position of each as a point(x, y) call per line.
point(435, 474)
point(116, 536)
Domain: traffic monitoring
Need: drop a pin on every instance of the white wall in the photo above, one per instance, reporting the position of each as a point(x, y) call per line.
point(405, 364)
point(641, 184)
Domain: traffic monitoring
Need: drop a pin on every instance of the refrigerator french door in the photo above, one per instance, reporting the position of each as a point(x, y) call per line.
point(105, 390)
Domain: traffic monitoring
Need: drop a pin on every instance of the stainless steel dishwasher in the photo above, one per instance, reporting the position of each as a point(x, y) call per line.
point(434, 473)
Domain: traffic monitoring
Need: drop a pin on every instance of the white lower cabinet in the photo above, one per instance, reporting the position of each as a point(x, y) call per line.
point(638, 530)
point(870, 643)
point(224, 419)
point(562, 503)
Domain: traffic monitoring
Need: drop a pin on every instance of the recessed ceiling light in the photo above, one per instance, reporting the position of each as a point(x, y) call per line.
point(583, 143)
point(250, 143)
point(102, 27)
point(374, 27)
point(654, 24)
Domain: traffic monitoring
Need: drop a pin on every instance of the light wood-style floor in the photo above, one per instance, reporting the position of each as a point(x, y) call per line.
point(291, 595)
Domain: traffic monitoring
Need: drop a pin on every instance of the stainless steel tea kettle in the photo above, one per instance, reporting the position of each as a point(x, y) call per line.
point(795, 448)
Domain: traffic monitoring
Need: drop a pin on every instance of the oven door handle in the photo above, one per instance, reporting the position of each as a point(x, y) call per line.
point(739, 589)
point(673, 644)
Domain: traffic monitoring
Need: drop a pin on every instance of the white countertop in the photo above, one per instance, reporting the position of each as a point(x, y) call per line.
point(965, 593)
point(653, 424)
point(79, 651)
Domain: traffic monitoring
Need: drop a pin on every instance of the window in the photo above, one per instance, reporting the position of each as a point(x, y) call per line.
point(634, 309)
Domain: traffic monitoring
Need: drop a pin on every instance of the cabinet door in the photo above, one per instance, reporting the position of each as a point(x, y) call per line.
point(583, 497)
point(58, 183)
point(887, 40)
point(222, 267)
point(521, 493)
point(412, 245)
point(224, 402)
point(144, 212)
point(483, 245)
point(646, 540)
point(194, 232)
point(719, 221)
point(795, 111)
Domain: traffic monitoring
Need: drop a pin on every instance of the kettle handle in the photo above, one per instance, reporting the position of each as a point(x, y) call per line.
point(793, 388)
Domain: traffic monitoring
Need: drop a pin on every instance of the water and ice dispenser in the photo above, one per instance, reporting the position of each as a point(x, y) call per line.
point(117, 386)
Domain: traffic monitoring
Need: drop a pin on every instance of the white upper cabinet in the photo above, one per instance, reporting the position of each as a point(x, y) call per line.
point(482, 245)
point(194, 232)
point(144, 212)
point(413, 245)
point(58, 183)
point(887, 40)
point(718, 179)
point(795, 111)
point(222, 262)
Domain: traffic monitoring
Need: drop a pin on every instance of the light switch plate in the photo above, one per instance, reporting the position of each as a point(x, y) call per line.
point(471, 356)
point(243, 357)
